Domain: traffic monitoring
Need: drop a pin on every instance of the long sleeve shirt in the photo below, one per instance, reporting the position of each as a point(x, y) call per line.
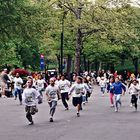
point(118, 88)
point(134, 89)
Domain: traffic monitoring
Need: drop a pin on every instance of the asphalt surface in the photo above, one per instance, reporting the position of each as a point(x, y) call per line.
point(98, 121)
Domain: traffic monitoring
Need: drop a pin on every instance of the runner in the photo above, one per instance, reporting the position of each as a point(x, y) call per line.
point(40, 84)
point(30, 97)
point(52, 93)
point(90, 84)
point(77, 90)
point(64, 86)
point(102, 84)
point(87, 92)
point(18, 87)
point(134, 91)
point(4, 83)
point(57, 80)
point(110, 90)
point(118, 89)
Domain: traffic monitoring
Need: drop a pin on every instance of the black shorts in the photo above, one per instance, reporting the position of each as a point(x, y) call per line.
point(134, 99)
point(31, 109)
point(77, 100)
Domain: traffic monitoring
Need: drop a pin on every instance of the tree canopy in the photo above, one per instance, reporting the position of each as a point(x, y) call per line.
point(96, 32)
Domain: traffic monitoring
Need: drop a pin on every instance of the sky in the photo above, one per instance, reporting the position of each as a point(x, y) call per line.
point(132, 2)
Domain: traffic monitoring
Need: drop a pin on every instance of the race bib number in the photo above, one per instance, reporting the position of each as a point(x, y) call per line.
point(78, 91)
point(17, 84)
point(39, 85)
point(29, 99)
point(62, 87)
point(53, 94)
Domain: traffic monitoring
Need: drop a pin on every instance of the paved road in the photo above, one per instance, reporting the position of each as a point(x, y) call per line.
point(98, 121)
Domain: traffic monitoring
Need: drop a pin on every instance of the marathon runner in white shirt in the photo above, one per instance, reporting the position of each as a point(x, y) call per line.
point(64, 86)
point(77, 90)
point(52, 93)
point(40, 84)
point(18, 87)
point(30, 98)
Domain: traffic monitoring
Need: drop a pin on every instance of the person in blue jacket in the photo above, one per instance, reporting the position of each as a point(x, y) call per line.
point(118, 89)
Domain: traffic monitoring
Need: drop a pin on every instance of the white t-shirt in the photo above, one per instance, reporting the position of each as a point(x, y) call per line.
point(102, 83)
point(18, 82)
point(64, 86)
point(52, 92)
point(40, 84)
point(134, 89)
point(30, 96)
point(98, 79)
point(57, 82)
point(77, 90)
point(87, 89)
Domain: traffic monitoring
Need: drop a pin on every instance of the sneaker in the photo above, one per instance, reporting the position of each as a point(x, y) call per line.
point(3, 96)
point(111, 105)
point(67, 108)
point(31, 123)
point(116, 110)
point(84, 103)
point(51, 119)
point(78, 114)
point(20, 103)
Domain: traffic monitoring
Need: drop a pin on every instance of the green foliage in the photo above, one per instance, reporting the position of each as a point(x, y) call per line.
point(32, 27)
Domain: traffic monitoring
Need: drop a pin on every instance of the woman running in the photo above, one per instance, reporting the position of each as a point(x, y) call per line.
point(110, 90)
point(134, 91)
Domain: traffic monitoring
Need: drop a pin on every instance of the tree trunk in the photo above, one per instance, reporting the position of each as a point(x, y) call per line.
point(107, 66)
point(59, 65)
point(136, 65)
point(88, 63)
point(96, 66)
point(85, 63)
point(69, 61)
point(78, 51)
point(100, 66)
point(78, 39)
point(112, 68)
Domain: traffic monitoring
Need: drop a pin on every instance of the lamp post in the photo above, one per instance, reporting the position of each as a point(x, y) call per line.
point(62, 43)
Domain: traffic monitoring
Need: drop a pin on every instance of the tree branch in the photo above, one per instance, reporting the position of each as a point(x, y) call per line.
point(91, 32)
point(69, 6)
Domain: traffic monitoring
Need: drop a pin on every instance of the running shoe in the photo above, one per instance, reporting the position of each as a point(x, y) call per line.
point(78, 114)
point(51, 119)
point(31, 123)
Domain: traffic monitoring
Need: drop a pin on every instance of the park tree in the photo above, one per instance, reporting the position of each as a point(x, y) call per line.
point(94, 18)
point(98, 31)
point(22, 25)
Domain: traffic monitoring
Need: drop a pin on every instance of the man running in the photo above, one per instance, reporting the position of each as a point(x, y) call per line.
point(77, 90)
point(64, 86)
point(40, 84)
point(4, 82)
point(52, 93)
point(18, 87)
point(30, 97)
